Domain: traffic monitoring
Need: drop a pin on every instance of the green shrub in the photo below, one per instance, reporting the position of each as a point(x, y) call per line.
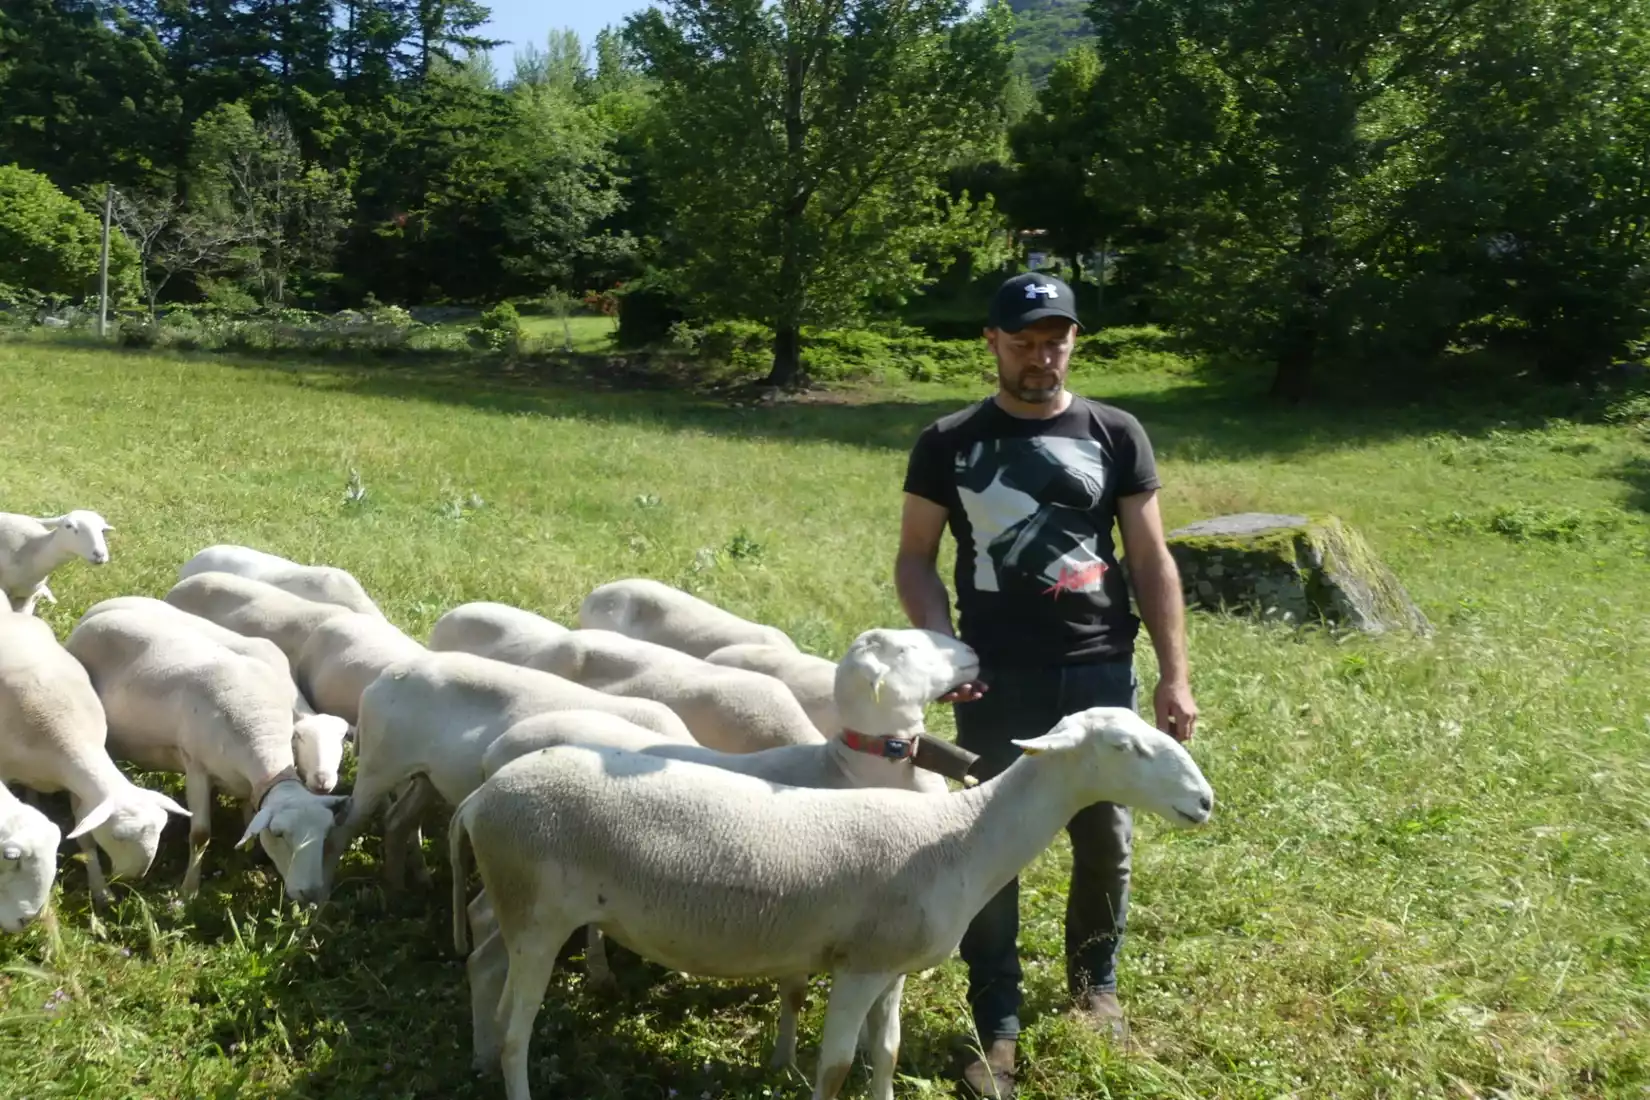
point(499, 329)
point(743, 344)
point(51, 244)
point(646, 314)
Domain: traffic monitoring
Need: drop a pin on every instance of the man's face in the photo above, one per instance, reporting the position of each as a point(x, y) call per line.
point(1032, 363)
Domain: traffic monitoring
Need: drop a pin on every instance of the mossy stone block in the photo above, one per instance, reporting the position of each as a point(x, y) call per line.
point(1294, 568)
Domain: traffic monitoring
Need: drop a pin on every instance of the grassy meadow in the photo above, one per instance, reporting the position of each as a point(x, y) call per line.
point(1428, 872)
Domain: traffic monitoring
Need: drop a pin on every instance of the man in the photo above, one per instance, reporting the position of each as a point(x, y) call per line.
point(1030, 482)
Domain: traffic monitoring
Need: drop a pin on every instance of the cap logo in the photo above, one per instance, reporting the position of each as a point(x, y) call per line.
point(1046, 289)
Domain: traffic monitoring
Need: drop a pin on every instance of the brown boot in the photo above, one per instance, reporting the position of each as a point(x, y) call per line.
point(992, 1078)
point(1103, 1013)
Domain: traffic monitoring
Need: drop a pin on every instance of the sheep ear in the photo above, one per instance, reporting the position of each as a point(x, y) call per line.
point(166, 803)
point(49, 521)
point(96, 816)
point(260, 821)
point(1066, 734)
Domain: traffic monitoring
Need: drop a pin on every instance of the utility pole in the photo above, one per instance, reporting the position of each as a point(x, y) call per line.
point(103, 265)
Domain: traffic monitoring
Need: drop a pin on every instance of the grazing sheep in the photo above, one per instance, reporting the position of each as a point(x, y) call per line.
point(255, 608)
point(180, 701)
point(31, 548)
point(321, 583)
point(811, 679)
point(884, 680)
point(317, 737)
point(54, 737)
point(343, 655)
point(723, 875)
point(28, 862)
point(430, 717)
point(728, 709)
point(656, 612)
point(503, 632)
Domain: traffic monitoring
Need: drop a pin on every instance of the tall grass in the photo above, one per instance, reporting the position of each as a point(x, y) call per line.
point(1427, 873)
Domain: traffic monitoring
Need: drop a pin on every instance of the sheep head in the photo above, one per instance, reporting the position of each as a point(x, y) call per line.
point(318, 749)
point(292, 825)
point(887, 676)
point(28, 864)
point(1114, 755)
point(84, 532)
point(127, 826)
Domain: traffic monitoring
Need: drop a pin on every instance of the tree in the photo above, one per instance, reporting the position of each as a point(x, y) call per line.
point(51, 244)
point(801, 148)
point(172, 239)
point(253, 174)
point(1277, 141)
point(1055, 186)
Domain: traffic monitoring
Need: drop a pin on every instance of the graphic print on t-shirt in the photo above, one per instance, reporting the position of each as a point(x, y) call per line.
point(1031, 504)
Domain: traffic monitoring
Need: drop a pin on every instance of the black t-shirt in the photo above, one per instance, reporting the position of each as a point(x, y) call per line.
point(1032, 504)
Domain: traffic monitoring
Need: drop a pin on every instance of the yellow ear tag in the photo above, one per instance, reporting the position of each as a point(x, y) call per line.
point(876, 690)
point(1031, 752)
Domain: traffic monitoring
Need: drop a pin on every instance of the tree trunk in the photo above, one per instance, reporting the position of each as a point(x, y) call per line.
point(787, 356)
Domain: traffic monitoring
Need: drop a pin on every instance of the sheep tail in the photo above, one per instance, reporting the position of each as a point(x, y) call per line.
point(457, 833)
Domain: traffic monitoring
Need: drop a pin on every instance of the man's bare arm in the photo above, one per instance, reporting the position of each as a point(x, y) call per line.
point(1157, 589)
point(917, 579)
point(916, 574)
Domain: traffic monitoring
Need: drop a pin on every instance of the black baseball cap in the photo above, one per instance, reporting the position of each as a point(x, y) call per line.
point(1029, 297)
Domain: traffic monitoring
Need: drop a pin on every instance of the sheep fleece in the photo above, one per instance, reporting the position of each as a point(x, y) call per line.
point(714, 873)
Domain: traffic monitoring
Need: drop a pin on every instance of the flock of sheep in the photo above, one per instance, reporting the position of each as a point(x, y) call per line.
point(666, 773)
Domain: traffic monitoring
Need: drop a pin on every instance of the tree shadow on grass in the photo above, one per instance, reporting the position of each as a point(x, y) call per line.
point(1636, 474)
point(1220, 412)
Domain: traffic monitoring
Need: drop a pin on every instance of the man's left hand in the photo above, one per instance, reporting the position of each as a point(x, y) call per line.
point(1176, 712)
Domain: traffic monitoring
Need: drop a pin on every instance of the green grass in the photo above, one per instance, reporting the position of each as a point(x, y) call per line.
point(1427, 873)
point(587, 332)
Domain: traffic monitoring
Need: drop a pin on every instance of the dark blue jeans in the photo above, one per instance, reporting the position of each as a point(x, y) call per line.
point(1026, 702)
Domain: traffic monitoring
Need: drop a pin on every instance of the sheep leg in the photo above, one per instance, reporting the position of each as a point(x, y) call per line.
point(532, 960)
point(851, 998)
point(402, 836)
point(198, 792)
point(793, 998)
point(882, 1025)
point(597, 973)
point(487, 967)
point(369, 791)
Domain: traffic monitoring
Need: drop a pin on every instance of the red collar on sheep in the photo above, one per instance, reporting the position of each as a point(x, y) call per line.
point(887, 746)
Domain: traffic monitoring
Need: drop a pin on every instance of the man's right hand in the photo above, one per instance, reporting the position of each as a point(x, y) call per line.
point(964, 693)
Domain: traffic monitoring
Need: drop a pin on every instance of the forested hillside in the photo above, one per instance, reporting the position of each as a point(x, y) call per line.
point(1277, 181)
point(1043, 31)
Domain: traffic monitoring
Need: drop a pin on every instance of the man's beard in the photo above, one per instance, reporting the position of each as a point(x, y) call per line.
point(1031, 395)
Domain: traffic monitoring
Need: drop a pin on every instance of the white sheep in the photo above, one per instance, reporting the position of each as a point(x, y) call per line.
point(322, 583)
point(317, 736)
point(722, 875)
point(657, 612)
point(728, 709)
point(255, 608)
point(430, 717)
point(811, 679)
point(28, 862)
point(494, 630)
point(54, 737)
point(31, 548)
point(884, 680)
point(345, 653)
point(179, 701)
